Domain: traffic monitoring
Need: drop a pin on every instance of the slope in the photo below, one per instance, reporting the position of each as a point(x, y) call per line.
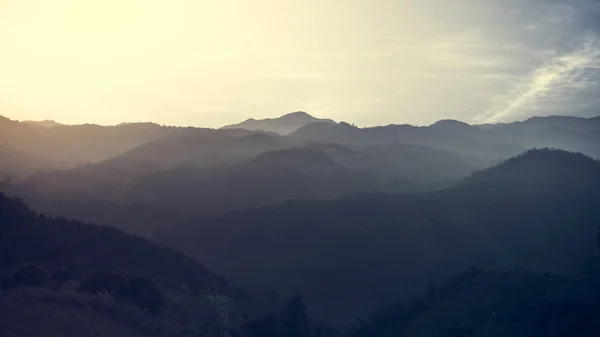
point(269, 178)
point(360, 252)
point(73, 145)
point(55, 242)
point(219, 173)
point(209, 148)
point(496, 303)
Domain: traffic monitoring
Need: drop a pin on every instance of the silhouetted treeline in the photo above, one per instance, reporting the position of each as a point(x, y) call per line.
point(102, 172)
point(496, 303)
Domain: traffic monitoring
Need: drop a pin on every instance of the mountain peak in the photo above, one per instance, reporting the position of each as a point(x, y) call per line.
point(539, 169)
point(283, 125)
point(48, 123)
point(297, 114)
point(451, 124)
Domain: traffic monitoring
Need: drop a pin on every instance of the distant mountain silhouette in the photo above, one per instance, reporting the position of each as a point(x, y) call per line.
point(574, 134)
point(194, 172)
point(70, 146)
point(423, 164)
point(45, 124)
point(488, 142)
point(359, 252)
point(569, 122)
point(531, 171)
point(283, 125)
point(186, 171)
point(216, 148)
point(453, 125)
point(270, 178)
point(222, 173)
point(439, 136)
point(18, 163)
point(210, 149)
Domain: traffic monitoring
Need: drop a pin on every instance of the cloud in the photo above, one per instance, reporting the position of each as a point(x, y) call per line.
point(560, 79)
point(467, 50)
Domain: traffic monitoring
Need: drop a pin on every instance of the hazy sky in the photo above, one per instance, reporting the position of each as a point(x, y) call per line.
point(214, 62)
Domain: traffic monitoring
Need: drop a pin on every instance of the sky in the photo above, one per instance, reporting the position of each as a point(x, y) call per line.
point(369, 62)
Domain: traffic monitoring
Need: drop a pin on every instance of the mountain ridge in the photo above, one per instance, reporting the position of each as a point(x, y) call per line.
point(283, 125)
point(394, 245)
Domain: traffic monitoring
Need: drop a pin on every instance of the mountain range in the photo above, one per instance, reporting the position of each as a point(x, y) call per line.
point(69, 146)
point(185, 171)
point(357, 220)
point(354, 253)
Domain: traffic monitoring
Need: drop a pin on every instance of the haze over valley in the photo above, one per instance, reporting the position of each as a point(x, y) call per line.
point(348, 217)
point(271, 168)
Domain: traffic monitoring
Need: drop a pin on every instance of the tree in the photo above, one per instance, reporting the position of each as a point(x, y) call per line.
point(151, 300)
point(293, 316)
point(147, 294)
point(31, 274)
point(102, 281)
point(266, 327)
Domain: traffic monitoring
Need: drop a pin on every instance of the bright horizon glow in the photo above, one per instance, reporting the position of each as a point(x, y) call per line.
point(211, 63)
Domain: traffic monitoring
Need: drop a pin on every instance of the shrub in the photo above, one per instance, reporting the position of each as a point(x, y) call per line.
point(147, 294)
point(104, 281)
point(138, 284)
point(31, 274)
point(60, 276)
point(151, 299)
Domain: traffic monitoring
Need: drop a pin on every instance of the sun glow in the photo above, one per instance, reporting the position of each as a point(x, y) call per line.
point(210, 63)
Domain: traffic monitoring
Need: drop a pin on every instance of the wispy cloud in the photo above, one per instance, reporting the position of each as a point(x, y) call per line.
point(560, 79)
point(467, 50)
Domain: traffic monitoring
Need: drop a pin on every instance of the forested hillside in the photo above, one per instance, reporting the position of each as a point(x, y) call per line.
point(537, 210)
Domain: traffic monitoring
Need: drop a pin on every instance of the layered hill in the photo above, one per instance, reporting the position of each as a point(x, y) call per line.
point(492, 141)
point(58, 242)
point(496, 303)
point(68, 146)
point(191, 176)
point(269, 178)
point(72, 145)
point(96, 293)
point(210, 149)
point(537, 210)
point(223, 170)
